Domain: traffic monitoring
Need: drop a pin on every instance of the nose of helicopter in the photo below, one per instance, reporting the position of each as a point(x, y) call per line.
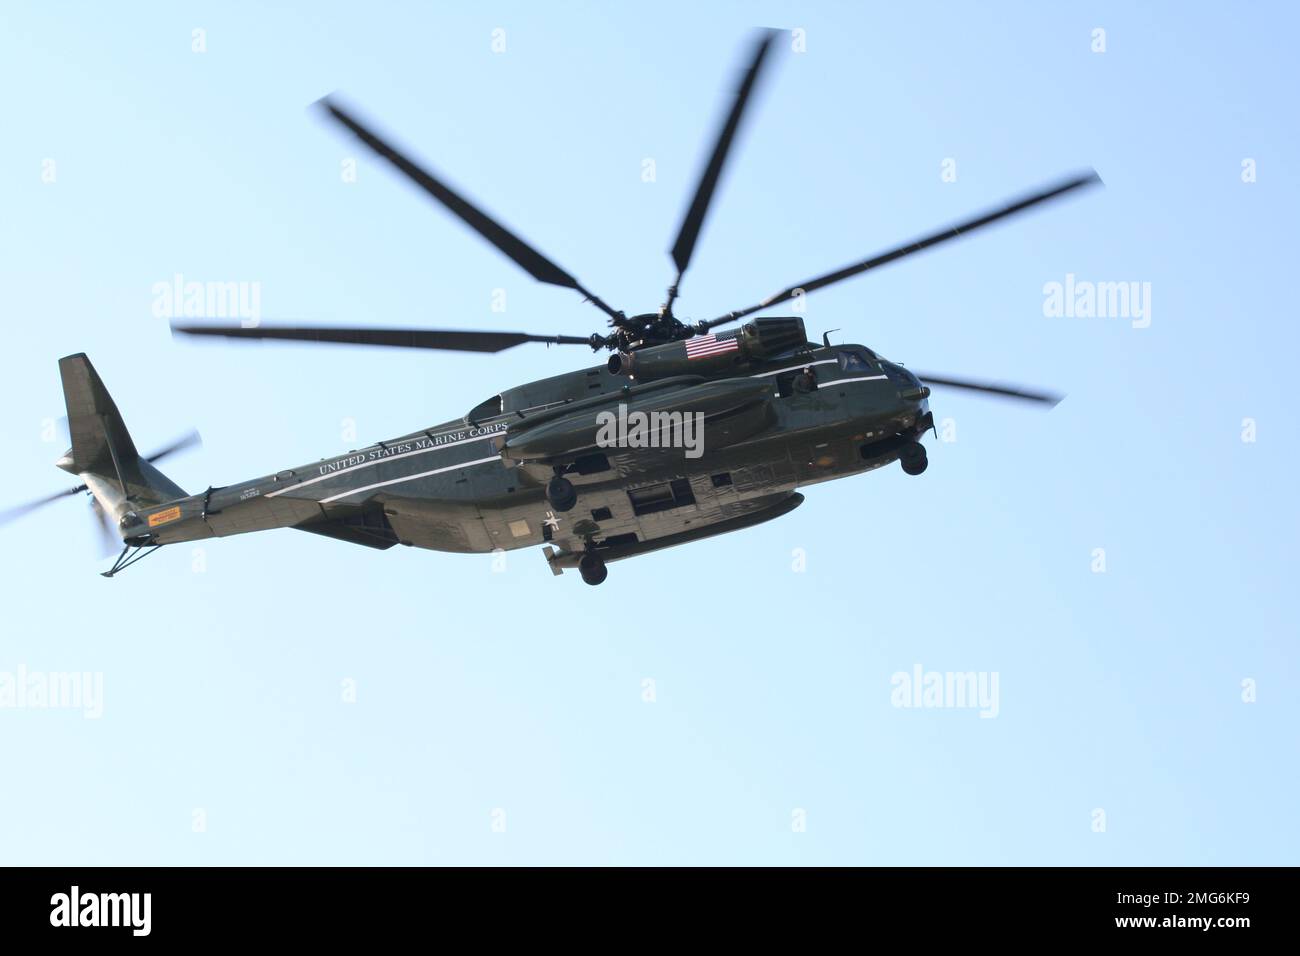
point(913, 395)
point(910, 388)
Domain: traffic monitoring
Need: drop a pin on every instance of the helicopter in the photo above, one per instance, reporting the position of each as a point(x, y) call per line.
point(687, 431)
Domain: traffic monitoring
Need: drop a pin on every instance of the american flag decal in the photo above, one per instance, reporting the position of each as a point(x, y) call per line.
point(705, 345)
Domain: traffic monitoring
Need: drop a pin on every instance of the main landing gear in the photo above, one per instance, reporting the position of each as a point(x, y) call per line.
point(913, 459)
point(592, 568)
point(560, 493)
point(591, 565)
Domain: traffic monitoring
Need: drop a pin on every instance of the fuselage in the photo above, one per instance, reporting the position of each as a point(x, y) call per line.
point(453, 486)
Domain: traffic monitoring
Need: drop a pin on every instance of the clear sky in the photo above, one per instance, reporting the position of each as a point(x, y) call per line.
point(1146, 713)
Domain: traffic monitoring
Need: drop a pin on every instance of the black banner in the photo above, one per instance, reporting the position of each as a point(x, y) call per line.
point(1151, 905)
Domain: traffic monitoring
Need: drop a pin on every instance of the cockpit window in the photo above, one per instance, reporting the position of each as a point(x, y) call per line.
point(488, 409)
point(856, 360)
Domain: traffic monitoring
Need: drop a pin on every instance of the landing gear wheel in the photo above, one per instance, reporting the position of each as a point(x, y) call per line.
point(560, 494)
point(592, 568)
point(914, 459)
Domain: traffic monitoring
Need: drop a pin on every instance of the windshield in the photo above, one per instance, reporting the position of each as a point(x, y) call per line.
point(856, 360)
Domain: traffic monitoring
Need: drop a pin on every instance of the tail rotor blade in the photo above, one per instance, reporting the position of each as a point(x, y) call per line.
point(7, 515)
point(18, 511)
point(107, 541)
point(190, 439)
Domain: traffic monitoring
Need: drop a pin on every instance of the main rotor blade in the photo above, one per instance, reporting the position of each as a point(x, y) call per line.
point(699, 207)
point(1001, 389)
point(525, 255)
point(1090, 178)
point(13, 514)
point(189, 440)
point(466, 341)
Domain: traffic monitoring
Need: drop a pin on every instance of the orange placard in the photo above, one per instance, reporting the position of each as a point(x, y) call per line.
point(162, 517)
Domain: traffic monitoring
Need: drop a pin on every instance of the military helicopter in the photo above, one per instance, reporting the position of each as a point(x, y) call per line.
point(686, 432)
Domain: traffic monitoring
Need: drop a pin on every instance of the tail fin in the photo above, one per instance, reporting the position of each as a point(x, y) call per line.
point(102, 452)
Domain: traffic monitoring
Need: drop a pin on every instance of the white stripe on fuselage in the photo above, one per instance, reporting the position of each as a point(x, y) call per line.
point(395, 481)
point(833, 381)
point(864, 378)
point(778, 371)
point(377, 461)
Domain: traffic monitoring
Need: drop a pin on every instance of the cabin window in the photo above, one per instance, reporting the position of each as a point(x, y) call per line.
point(801, 380)
point(652, 498)
point(488, 409)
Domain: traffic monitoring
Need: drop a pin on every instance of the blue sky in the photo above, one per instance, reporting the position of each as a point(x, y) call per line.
point(513, 698)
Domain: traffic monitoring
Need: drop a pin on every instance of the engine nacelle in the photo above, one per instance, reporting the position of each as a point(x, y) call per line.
point(755, 341)
point(721, 405)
